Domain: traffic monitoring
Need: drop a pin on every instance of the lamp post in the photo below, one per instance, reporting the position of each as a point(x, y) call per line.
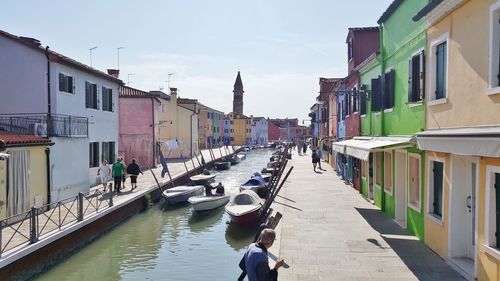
point(90, 51)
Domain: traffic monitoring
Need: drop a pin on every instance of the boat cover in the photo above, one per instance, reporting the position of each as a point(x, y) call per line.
point(246, 197)
point(255, 180)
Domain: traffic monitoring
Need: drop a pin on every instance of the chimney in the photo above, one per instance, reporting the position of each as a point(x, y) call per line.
point(173, 92)
point(114, 72)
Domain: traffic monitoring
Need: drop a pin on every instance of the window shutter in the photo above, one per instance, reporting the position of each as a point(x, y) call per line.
point(96, 154)
point(383, 92)
point(87, 95)
point(422, 75)
point(375, 97)
point(61, 82)
point(410, 85)
point(362, 98)
point(70, 85)
point(392, 75)
point(95, 96)
point(111, 101)
point(438, 187)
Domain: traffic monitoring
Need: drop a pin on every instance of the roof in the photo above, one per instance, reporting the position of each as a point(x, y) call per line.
point(186, 101)
point(57, 57)
point(132, 92)
point(15, 139)
point(207, 108)
point(367, 61)
point(389, 11)
point(238, 85)
point(160, 95)
point(360, 29)
point(425, 10)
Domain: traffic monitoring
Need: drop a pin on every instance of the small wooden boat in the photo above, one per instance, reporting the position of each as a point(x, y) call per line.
point(244, 207)
point(256, 184)
point(202, 179)
point(206, 203)
point(222, 165)
point(235, 160)
point(182, 193)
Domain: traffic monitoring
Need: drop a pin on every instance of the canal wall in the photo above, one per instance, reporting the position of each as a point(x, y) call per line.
point(34, 258)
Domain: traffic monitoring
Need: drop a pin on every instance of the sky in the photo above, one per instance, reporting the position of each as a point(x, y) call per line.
point(281, 47)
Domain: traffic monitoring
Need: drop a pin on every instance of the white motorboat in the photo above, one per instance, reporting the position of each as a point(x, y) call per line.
point(182, 193)
point(202, 179)
point(222, 165)
point(241, 155)
point(206, 203)
point(244, 207)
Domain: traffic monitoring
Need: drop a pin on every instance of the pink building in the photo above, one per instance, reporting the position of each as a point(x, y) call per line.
point(138, 126)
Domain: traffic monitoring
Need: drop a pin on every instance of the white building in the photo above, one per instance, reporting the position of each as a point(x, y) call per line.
point(80, 115)
point(259, 130)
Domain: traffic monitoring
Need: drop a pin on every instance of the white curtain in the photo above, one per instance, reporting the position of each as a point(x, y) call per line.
point(17, 190)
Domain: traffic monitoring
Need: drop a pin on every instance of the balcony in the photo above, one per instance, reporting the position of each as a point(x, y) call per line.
point(45, 125)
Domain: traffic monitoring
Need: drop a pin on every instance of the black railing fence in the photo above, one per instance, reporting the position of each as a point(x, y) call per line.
point(44, 125)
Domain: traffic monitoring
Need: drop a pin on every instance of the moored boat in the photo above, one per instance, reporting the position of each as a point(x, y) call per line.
point(256, 184)
point(222, 165)
point(244, 207)
point(202, 179)
point(241, 155)
point(235, 160)
point(182, 193)
point(206, 203)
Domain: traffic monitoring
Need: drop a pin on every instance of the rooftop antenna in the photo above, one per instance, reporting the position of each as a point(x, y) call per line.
point(128, 78)
point(90, 51)
point(168, 79)
point(118, 49)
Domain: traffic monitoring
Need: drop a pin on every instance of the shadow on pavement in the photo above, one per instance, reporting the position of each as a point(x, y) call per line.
point(422, 261)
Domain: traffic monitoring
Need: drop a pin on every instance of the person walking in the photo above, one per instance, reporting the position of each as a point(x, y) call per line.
point(255, 261)
point(315, 159)
point(319, 156)
point(133, 170)
point(119, 173)
point(304, 148)
point(105, 173)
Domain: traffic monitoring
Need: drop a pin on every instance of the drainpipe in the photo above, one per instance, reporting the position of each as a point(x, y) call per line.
point(382, 68)
point(47, 159)
point(49, 106)
point(154, 137)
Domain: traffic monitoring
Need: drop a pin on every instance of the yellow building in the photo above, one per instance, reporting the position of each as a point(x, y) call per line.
point(178, 120)
point(241, 128)
point(462, 161)
point(23, 173)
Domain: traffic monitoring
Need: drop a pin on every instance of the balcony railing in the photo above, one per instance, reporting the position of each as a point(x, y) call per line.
point(44, 125)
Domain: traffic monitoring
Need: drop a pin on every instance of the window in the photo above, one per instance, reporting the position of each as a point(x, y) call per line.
point(378, 167)
point(108, 151)
point(436, 177)
point(494, 46)
point(349, 49)
point(362, 99)
point(107, 99)
point(376, 96)
point(492, 220)
point(231, 122)
point(388, 172)
point(388, 89)
point(355, 100)
point(66, 83)
point(416, 77)
point(347, 100)
point(93, 154)
point(414, 182)
point(91, 95)
point(439, 72)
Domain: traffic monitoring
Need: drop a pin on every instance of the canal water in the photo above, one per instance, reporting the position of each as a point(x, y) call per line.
point(168, 242)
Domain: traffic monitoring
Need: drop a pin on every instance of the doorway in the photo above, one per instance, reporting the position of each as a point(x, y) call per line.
point(370, 176)
point(400, 171)
point(462, 229)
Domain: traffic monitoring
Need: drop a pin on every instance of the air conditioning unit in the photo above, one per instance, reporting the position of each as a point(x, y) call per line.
point(40, 129)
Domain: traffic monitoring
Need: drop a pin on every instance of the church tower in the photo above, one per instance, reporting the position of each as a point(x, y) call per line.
point(238, 95)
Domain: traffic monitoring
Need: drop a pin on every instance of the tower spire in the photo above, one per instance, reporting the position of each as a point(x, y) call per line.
point(238, 95)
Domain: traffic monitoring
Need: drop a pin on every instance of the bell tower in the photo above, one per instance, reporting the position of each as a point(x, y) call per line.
point(238, 95)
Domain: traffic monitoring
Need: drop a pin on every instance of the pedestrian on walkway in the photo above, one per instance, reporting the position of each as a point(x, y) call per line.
point(255, 261)
point(315, 159)
point(319, 156)
point(105, 173)
point(118, 173)
point(304, 148)
point(133, 170)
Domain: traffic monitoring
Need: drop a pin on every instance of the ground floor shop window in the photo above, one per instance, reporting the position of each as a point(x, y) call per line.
point(435, 187)
point(414, 182)
point(388, 172)
point(492, 223)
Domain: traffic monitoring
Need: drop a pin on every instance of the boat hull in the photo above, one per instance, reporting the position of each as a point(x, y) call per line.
point(181, 196)
point(222, 165)
point(211, 203)
point(245, 218)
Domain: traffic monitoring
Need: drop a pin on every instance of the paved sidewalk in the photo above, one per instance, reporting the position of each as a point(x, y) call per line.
point(330, 232)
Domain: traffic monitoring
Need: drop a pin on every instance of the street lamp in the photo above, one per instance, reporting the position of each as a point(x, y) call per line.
point(90, 51)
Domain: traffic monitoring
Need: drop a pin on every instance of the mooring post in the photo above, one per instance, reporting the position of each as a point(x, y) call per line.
point(33, 226)
point(80, 207)
point(111, 197)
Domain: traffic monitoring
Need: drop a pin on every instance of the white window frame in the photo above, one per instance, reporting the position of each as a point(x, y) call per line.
point(494, 53)
point(489, 220)
point(418, 53)
point(431, 90)
point(409, 203)
point(388, 190)
point(430, 189)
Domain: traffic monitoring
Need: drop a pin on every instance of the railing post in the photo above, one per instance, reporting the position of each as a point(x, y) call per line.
point(111, 198)
point(1, 230)
point(70, 127)
point(33, 226)
point(80, 206)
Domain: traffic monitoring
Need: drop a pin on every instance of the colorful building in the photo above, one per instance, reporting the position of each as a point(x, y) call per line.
point(462, 160)
point(273, 131)
point(139, 132)
point(209, 123)
point(24, 173)
point(259, 130)
point(239, 128)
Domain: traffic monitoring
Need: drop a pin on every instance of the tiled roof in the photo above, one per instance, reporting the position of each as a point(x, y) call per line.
point(160, 95)
point(11, 139)
point(59, 58)
point(132, 92)
point(186, 101)
point(391, 9)
point(368, 28)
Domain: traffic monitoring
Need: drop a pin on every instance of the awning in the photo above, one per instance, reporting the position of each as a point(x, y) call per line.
point(360, 147)
point(477, 141)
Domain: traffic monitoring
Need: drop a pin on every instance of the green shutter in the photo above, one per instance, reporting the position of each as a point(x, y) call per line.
point(438, 188)
point(375, 96)
point(422, 74)
point(441, 71)
point(410, 85)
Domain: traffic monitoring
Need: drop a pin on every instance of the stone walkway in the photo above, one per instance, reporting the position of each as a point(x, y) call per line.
point(330, 232)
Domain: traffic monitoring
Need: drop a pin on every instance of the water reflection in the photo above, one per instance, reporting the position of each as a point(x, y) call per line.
point(199, 222)
point(239, 236)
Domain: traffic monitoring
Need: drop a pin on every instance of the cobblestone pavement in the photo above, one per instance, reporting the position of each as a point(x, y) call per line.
point(330, 232)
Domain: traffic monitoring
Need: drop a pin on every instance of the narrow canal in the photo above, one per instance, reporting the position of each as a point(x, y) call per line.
point(168, 242)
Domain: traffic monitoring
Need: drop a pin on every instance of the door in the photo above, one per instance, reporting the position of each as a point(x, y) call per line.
point(401, 171)
point(471, 212)
point(370, 176)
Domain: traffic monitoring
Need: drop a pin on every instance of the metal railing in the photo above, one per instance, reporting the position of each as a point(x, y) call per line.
point(36, 224)
point(44, 125)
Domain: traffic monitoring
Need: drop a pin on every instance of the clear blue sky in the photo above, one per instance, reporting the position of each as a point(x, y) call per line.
point(281, 47)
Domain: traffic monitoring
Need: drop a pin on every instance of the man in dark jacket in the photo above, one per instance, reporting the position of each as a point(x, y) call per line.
point(255, 262)
point(133, 170)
